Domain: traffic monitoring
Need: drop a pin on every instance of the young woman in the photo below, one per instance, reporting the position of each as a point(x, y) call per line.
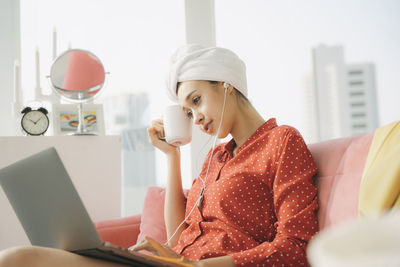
point(254, 202)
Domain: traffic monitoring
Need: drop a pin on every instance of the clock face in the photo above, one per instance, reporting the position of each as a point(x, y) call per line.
point(35, 122)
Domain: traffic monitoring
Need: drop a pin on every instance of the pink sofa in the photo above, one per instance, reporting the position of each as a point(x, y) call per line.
point(340, 163)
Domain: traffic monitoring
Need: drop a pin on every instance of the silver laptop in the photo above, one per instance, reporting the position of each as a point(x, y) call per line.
point(52, 213)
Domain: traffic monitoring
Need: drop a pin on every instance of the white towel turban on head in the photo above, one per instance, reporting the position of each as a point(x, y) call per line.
point(195, 62)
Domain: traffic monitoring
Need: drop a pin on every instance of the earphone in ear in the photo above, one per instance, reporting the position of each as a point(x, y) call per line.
point(226, 85)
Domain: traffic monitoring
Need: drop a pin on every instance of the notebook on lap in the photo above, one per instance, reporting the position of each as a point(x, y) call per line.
point(52, 213)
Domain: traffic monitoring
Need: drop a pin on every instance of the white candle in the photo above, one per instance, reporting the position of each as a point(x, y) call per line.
point(16, 82)
point(54, 43)
point(37, 68)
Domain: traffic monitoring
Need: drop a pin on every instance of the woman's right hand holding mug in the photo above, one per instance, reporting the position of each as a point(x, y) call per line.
point(174, 130)
point(157, 137)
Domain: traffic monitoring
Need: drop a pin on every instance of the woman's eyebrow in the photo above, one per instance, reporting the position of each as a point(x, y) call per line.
point(188, 96)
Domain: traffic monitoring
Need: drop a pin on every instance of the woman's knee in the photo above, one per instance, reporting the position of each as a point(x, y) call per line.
point(19, 256)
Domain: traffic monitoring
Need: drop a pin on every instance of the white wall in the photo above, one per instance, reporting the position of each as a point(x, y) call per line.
point(9, 51)
point(200, 29)
point(200, 22)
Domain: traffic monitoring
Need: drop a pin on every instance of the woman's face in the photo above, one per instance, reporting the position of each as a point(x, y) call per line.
point(203, 101)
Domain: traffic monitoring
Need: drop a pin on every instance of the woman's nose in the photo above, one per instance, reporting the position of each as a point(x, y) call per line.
point(198, 118)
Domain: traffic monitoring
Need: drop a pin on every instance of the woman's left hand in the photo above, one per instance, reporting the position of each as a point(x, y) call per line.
point(164, 251)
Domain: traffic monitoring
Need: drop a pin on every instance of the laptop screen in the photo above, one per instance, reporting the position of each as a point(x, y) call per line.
point(47, 203)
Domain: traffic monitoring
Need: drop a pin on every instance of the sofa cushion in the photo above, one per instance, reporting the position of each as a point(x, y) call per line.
point(340, 165)
point(152, 220)
point(120, 231)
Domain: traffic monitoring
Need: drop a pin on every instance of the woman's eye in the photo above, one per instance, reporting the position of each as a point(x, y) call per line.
point(196, 100)
point(190, 114)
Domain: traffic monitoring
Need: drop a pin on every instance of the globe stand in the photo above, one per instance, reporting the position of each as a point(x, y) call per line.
point(81, 129)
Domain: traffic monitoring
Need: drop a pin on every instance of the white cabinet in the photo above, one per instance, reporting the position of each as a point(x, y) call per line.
point(93, 163)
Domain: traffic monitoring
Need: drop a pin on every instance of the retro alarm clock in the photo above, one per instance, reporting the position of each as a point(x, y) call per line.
point(34, 121)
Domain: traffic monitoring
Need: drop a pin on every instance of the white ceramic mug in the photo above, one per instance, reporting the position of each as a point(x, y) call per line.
point(177, 126)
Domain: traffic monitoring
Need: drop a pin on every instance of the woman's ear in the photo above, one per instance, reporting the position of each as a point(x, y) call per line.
point(228, 87)
point(231, 89)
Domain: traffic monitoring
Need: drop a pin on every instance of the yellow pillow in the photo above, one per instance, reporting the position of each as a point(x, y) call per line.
point(380, 184)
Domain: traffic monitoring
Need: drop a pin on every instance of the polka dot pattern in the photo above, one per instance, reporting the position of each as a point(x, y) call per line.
point(260, 206)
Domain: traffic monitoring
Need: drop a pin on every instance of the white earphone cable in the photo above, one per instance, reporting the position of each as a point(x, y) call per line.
point(208, 167)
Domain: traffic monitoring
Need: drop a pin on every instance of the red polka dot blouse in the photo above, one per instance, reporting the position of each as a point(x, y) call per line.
point(260, 206)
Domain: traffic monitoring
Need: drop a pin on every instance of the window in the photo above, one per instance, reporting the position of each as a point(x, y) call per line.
point(275, 39)
point(133, 39)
